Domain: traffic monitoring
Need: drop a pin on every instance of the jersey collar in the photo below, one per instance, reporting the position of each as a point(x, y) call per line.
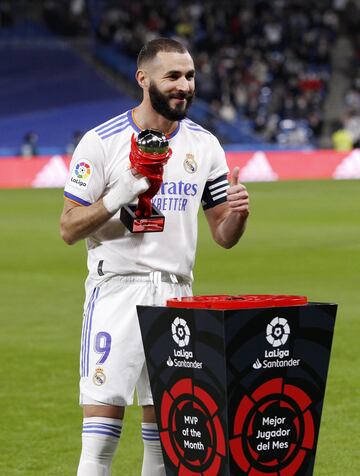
point(137, 129)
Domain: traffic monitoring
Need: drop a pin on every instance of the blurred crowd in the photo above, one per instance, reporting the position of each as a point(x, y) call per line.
point(267, 61)
point(346, 134)
point(66, 17)
point(264, 61)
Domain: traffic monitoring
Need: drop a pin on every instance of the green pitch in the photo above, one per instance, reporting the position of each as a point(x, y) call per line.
point(302, 238)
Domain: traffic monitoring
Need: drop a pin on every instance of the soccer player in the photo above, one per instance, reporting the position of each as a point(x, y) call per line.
point(128, 269)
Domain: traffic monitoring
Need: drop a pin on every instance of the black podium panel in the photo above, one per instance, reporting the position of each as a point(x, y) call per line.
point(238, 392)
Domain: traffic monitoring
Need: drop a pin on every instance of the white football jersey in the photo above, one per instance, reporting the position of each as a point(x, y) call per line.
point(196, 173)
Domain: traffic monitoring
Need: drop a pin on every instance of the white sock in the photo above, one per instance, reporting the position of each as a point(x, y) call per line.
point(100, 437)
point(153, 463)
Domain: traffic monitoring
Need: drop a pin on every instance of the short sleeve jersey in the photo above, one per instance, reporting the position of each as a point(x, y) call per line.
point(196, 174)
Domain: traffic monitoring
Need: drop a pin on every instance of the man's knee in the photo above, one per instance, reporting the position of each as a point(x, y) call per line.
point(106, 411)
point(149, 414)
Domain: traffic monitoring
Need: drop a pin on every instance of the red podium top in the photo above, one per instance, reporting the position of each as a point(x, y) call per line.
point(241, 301)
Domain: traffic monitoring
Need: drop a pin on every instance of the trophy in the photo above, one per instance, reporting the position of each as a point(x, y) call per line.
point(149, 153)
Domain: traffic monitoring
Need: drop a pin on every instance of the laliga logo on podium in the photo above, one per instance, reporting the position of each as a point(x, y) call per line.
point(277, 332)
point(180, 332)
point(181, 357)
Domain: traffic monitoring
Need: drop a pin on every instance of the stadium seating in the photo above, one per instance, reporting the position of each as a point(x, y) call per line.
point(263, 68)
point(258, 64)
point(45, 86)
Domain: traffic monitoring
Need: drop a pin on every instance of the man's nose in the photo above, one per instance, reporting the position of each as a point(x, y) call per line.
point(183, 84)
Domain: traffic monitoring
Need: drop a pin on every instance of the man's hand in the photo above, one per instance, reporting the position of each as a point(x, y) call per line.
point(227, 221)
point(79, 222)
point(127, 187)
point(238, 197)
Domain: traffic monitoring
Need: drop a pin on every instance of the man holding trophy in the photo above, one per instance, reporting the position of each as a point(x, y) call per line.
point(135, 186)
point(148, 155)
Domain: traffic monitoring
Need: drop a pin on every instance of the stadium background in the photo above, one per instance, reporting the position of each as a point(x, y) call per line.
point(273, 78)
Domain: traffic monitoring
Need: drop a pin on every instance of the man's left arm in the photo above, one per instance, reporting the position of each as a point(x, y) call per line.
point(227, 220)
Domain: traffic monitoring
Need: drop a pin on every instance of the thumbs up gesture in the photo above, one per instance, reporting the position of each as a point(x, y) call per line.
point(238, 197)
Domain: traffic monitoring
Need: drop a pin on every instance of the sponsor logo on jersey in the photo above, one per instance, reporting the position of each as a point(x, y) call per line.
point(81, 174)
point(174, 196)
point(99, 377)
point(190, 164)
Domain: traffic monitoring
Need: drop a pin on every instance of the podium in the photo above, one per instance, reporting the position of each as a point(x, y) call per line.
point(238, 382)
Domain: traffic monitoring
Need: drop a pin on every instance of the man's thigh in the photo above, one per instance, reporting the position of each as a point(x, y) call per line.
point(111, 357)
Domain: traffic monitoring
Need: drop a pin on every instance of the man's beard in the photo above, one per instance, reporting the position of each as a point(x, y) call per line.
point(161, 103)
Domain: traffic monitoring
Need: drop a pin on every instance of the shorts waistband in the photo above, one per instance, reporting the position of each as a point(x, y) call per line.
point(155, 277)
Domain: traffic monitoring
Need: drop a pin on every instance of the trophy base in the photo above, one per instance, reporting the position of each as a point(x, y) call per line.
point(152, 224)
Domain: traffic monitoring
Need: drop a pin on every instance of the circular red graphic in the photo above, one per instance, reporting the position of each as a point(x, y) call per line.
point(273, 429)
point(190, 429)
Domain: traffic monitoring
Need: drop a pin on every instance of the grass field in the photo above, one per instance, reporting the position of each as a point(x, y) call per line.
point(302, 238)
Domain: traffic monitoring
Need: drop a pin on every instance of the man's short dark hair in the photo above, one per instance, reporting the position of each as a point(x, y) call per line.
point(153, 47)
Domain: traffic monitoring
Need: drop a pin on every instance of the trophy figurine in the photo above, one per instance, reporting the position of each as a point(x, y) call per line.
point(149, 153)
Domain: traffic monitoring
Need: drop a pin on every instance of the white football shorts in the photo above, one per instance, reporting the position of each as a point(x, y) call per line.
point(112, 360)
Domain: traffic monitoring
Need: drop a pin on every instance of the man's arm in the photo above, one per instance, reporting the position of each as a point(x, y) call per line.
point(227, 221)
point(78, 222)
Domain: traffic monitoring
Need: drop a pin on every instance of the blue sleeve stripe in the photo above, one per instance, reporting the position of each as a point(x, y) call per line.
point(75, 199)
point(121, 127)
point(197, 129)
point(109, 128)
point(110, 122)
point(193, 126)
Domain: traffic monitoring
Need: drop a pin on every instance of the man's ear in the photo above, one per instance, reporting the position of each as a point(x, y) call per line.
point(142, 78)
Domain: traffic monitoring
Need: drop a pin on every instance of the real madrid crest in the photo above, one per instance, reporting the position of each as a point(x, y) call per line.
point(99, 377)
point(190, 164)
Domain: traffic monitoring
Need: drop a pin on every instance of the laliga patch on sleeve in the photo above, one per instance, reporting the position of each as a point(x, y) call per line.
point(81, 174)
